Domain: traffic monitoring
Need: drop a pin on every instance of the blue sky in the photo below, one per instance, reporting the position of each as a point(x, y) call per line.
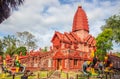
point(43, 17)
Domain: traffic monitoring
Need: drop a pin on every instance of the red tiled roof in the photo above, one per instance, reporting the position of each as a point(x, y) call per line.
point(87, 38)
point(94, 43)
point(35, 53)
point(80, 21)
point(60, 35)
point(22, 57)
point(75, 37)
point(70, 37)
point(90, 40)
point(66, 39)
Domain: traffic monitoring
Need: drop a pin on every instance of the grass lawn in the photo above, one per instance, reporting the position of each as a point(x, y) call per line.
point(69, 74)
point(10, 77)
point(41, 74)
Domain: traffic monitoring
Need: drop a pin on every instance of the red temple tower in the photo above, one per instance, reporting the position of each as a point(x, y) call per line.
point(72, 49)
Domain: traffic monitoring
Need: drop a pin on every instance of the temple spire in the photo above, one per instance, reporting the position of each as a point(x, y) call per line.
point(80, 21)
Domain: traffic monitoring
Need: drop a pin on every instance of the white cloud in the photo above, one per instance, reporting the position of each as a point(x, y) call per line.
point(42, 18)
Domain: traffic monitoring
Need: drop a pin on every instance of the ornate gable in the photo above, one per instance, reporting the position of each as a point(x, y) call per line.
point(58, 35)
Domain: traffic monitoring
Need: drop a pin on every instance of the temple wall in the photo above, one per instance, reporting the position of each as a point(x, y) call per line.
point(82, 34)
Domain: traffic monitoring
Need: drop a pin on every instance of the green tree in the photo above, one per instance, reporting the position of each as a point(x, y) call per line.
point(27, 39)
point(45, 49)
point(11, 50)
point(10, 44)
point(6, 6)
point(113, 23)
point(1, 48)
point(21, 49)
point(104, 43)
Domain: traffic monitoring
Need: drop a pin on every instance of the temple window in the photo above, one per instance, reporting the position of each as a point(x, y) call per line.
point(75, 61)
point(69, 51)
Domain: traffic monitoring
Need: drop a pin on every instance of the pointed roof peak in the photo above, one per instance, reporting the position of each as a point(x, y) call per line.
point(80, 21)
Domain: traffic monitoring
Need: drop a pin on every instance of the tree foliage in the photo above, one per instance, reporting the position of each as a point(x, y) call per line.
point(6, 6)
point(45, 49)
point(11, 50)
point(27, 39)
point(15, 45)
point(22, 50)
point(113, 23)
point(1, 47)
point(9, 43)
point(104, 43)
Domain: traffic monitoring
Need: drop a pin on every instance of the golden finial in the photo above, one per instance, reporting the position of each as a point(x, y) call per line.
point(79, 5)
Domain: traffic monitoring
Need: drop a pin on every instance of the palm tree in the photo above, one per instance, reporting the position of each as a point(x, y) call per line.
point(10, 44)
point(6, 6)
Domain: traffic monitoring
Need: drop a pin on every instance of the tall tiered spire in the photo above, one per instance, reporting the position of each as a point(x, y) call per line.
point(80, 21)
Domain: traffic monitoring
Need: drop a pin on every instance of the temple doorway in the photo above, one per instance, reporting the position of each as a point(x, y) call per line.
point(59, 64)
